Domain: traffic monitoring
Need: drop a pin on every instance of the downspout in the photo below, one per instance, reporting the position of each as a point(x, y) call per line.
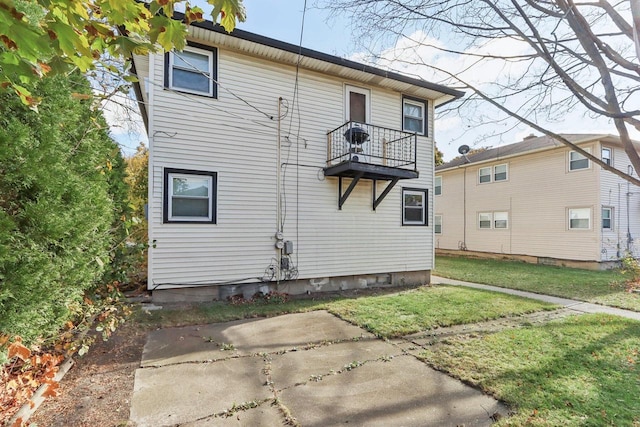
point(618, 254)
point(464, 210)
point(630, 170)
point(278, 197)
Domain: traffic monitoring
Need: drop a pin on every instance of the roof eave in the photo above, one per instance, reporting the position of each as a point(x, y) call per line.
point(438, 93)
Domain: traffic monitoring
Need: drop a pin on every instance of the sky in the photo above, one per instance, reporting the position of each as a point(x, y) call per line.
point(282, 20)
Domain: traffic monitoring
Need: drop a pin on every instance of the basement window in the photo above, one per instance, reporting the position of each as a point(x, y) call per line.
point(189, 196)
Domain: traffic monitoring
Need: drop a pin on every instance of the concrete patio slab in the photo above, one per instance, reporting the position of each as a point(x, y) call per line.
point(181, 393)
point(319, 369)
point(402, 392)
point(311, 365)
point(245, 337)
point(265, 415)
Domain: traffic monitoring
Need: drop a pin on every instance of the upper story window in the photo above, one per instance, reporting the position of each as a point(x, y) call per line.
point(414, 115)
point(437, 188)
point(484, 175)
point(607, 218)
point(579, 219)
point(357, 104)
point(577, 161)
point(606, 155)
point(414, 206)
point(500, 172)
point(495, 173)
point(189, 196)
point(193, 70)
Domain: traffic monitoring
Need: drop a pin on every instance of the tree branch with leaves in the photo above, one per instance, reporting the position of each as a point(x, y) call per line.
point(43, 37)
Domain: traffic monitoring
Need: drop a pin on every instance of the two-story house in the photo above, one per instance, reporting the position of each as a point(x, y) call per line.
point(275, 167)
point(538, 198)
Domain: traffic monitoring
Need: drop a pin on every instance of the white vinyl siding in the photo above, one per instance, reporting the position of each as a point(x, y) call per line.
point(188, 133)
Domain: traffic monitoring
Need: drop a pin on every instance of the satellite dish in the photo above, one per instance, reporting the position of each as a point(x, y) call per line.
point(463, 149)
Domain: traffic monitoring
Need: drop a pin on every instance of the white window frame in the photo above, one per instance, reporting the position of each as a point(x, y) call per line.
point(422, 118)
point(506, 172)
point(582, 157)
point(170, 175)
point(210, 73)
point(437, 187)
point(501, 216)
point(486, 217)
point(347, 103)
point(610, 210)
point(437, 224)
point(573, 212)
point(481, 175)
point(608, 159)
point(424, 207)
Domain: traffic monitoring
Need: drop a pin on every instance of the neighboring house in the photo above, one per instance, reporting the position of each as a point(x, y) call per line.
point(274, 167)
point(541, 199)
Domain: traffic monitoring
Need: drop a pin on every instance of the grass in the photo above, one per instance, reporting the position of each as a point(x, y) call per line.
point(430, 307)
point(580, 371)
point(600, 287)
point(387, 315)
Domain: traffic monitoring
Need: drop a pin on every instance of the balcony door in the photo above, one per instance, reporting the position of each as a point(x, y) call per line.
point(357, 104)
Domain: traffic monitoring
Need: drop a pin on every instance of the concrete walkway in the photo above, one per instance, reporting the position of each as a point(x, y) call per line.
point(308, 369)
point(580, 306)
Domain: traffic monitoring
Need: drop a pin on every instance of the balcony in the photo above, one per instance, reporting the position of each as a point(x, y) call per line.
point(364, 151)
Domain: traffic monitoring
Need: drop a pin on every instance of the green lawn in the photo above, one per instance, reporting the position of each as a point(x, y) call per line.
point(427, 308)
point(580, 371)
point(601, 287)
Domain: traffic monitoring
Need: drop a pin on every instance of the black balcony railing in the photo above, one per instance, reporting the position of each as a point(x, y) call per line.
point(369, 144)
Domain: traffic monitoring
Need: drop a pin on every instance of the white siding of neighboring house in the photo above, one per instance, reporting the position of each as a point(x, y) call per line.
point(222, 135)
point(624, 198)
point(538, 193)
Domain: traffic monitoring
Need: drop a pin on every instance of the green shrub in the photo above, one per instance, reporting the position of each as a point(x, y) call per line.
point(61, 203)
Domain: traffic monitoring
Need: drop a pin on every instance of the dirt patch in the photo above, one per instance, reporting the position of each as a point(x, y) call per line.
point(97, 390)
